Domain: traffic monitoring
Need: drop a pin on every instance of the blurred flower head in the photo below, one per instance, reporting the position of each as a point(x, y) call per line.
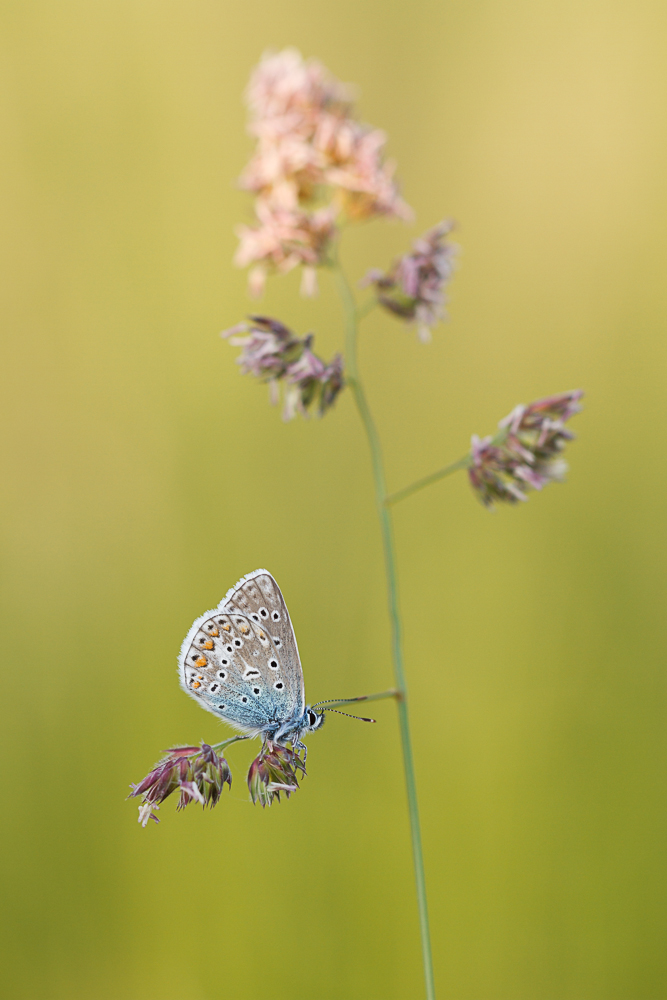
point(273, 354)
point(197, 773)
point(284, 239)
point(272, 772)
point(526, 453)
point(313, 162)
point(414, 286)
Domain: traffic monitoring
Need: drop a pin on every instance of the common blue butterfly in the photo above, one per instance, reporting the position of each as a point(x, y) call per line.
point(241, 662)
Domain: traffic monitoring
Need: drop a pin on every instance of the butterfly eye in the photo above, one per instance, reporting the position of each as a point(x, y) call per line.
point(312, 718)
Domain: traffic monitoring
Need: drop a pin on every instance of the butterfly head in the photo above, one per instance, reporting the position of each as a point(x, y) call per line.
point(312, 720)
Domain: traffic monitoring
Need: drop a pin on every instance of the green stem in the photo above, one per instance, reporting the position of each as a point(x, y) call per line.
point(384, 514)
point(407, 491)
point(225, 743)
point(363, 310)
point(462, 463)
point(380, 696)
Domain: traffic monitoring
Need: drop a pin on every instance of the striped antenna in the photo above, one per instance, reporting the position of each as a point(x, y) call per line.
point(359, 717)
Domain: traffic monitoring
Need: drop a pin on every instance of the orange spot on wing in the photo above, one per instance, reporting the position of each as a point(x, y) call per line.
point(196, 684)
point(208, 644)
point(201, 662)
point(214, 631)
point(226, 628)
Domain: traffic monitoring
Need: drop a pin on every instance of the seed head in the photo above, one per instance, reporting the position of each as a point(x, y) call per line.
point(526, 453)
point(285, 238)
point(272, 772)
point(198, 773)
point(313, 162)
point(272, 353)
point(414, 286)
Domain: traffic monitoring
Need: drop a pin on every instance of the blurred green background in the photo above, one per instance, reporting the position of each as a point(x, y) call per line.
point(143, 476)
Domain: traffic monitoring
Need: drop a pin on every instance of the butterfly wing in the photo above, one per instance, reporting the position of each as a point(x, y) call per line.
point(231, 666)
point(258, 597)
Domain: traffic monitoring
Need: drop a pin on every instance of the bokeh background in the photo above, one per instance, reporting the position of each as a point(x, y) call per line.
point(142, 476)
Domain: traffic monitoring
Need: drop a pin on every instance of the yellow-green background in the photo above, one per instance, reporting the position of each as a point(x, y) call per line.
point(142, 476)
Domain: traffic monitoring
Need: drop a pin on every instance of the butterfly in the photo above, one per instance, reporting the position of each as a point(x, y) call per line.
point(241, 662)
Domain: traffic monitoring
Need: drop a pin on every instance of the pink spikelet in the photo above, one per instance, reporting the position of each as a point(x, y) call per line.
point(313, 164)
point(198, 774)
point(414, 287)
point(527, 453)
point(273, 354)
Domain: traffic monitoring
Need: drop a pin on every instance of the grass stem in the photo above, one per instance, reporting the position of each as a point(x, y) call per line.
point(386, 527)
point(407, 491)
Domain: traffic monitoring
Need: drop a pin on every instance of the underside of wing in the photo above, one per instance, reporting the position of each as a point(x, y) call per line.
point(230, 665)
point(258, 597)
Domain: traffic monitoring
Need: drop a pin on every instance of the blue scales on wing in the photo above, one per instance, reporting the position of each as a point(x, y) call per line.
point(240, 661)
point(258, 596)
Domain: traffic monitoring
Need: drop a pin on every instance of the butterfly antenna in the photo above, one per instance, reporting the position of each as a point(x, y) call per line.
point(359, 717)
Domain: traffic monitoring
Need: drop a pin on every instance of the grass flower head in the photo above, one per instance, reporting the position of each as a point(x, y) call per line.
point(272, 772)
point(197, 773)
point(313, 163)
point(527, 453)
point(414, 286)
point(273, 354)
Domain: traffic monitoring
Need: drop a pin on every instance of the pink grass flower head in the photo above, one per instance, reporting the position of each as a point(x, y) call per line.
point(295, 108)
point(414, 287)
point(365, 183)
point(526, 453)
point(273, 354)
point(272, 772)
point(284, 239)
point(313, 161)
point(312, 384)
point(197, 773)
